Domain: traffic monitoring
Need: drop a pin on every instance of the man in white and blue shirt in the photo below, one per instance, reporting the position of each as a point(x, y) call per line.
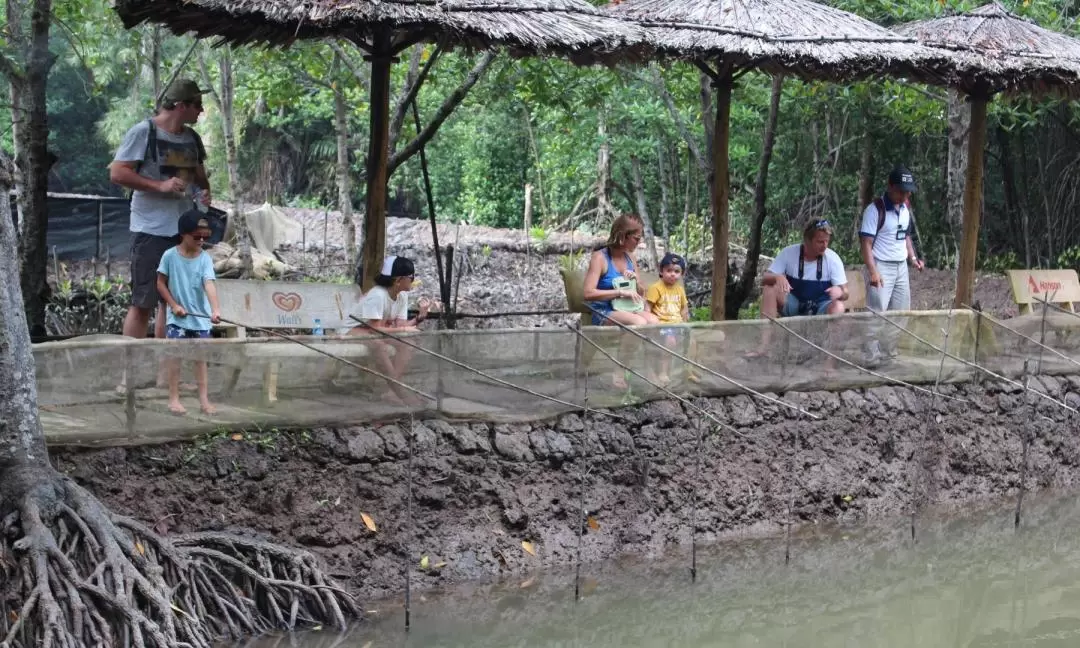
point(886, 242)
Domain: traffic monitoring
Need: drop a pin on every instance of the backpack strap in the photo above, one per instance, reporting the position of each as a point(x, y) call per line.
point(879, 204)
point(201, 150)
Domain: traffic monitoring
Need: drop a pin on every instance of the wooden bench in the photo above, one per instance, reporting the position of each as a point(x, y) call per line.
point(278, 305)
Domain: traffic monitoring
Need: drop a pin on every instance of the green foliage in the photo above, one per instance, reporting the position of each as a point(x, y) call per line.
point(572, 261)
point(1068, 259)
point(86, 306)
point(539, 237)
point(700, 314)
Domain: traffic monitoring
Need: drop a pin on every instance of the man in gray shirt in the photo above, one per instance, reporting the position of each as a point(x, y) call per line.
point(161, 161)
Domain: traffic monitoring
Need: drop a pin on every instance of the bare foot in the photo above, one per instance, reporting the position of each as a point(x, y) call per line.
point(208, 409)
point(176, 408)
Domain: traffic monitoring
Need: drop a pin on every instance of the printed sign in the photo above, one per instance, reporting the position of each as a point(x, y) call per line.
point(1054, 286)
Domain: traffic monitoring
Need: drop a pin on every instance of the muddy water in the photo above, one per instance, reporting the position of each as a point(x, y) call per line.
point(969, 581)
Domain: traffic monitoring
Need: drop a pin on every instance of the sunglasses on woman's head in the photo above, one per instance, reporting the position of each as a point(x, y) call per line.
point(821, 224)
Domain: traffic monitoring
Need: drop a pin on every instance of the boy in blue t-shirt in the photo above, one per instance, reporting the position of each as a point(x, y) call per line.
point(186, 283)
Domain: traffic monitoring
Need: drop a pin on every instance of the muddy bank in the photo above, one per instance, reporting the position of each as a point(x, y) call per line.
point(480, 489)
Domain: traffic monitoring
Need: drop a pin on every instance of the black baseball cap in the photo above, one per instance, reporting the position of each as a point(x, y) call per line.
point(396, 266)
point(191, 221)
point(673, 259)
point(903, 178)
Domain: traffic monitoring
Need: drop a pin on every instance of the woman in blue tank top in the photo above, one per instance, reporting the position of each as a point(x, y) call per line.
point(616, 259)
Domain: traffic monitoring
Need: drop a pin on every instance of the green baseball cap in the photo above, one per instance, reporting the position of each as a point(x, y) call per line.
point(184, 90)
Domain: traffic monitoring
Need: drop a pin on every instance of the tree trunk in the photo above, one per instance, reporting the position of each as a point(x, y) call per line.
point(866, 177)
point(959, 122)
point(665, 176)
point(378, 160)
point(232, 163)
point(526, 220)
point(603, 169)
point(688, 199)
point(973, 195)
point(719, 193)
point(707, 119)
point(155, 61)
point(548, 216)
point(341, 128)
point(643, 211)
point(748, 278)
point(22, 444)
point(223, 98)
point(34, 251)
point(1017, 216)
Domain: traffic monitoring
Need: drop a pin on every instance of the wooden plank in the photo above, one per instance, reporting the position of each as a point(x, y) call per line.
point(856, 289)
point(287, 304)
point(1034, 286)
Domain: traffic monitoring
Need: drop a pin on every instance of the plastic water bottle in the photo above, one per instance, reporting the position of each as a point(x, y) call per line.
point(317, 328)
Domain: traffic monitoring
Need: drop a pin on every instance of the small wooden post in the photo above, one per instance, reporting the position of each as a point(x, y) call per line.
point(100, 235)
point(129, 390)
point(577, 357)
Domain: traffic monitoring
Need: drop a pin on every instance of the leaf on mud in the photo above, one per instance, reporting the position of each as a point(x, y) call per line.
point(847, 498)
point(316, 628)
point(13, 615)
point(369, 644)
point(237, 437)
point(593, 524)
point(527, 584)
point(425, 563)
point(368, 522)
point(141, 549)
point(438, 565)
point(528, 547)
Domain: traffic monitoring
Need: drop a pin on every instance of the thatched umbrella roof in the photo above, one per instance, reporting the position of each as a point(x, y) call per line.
point(810, 40)
point(798, 37)
point(383, 28)
point(996, 50)
point(566, 27)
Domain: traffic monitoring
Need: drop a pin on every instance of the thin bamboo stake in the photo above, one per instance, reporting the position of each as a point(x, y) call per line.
point(930, 410)
point(583, 514)
point(409, 526)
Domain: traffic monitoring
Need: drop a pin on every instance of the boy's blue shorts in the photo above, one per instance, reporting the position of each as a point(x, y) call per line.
point(174, 332)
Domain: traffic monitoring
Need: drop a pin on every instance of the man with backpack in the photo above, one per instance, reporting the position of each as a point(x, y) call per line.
point(887, 247)
point(161, 162)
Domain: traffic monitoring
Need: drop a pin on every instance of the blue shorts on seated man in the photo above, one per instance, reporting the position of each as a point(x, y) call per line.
point(793, 306)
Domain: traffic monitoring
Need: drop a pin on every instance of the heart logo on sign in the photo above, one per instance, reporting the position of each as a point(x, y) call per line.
point(287, 302)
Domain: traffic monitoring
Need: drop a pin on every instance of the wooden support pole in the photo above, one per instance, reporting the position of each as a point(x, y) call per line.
point(973, 195)
point(720, 194)
point(378, 161)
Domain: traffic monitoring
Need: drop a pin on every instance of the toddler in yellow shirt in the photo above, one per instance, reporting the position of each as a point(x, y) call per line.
point(666, 299)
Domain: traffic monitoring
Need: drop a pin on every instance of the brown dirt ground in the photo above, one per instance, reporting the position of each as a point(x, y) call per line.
point(480, 489)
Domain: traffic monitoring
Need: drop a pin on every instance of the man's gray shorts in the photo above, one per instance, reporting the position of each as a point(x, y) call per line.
point(146, 252)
